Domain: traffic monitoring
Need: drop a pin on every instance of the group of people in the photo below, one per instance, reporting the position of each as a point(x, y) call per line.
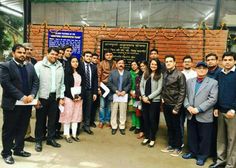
point(67, 90)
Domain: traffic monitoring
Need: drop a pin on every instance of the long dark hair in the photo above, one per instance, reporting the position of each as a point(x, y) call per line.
point(68, 67)
point(134, 61)
point(157, 74)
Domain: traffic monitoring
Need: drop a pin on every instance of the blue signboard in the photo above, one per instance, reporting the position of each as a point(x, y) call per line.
point(62, 38)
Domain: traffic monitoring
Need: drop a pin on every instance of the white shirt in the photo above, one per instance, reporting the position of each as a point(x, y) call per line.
point(232, 69)
point(189, 74)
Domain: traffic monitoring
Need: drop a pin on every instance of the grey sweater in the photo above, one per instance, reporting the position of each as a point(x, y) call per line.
point(156, 89)
point(43, 71)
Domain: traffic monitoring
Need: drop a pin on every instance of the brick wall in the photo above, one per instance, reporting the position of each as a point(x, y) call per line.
point(168, 41)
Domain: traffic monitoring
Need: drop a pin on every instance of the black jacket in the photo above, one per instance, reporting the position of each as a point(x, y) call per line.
point(174, 88)
point(69, 83)
point(12, 83)
point(94, 76)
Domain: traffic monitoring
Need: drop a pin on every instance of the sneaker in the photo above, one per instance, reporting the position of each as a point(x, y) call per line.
point(145, 141)
point(168, 149)
point(176, 152)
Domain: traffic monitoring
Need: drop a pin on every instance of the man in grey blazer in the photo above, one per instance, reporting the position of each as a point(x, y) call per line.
point(119, 83)
point(19, 82)
point(200, 98)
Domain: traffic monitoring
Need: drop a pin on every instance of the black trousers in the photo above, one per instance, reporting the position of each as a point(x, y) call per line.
point(87, 108)
point(173, 126)
point(199, 138)
point(46, 115)
point(95, 106)
point(151, 116)
point(15, 124)
point(182, 121)
point(58, 124)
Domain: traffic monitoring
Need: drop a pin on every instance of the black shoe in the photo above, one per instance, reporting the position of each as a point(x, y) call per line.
point(88, 131)
point(8, 160)
point(188, 156)
point(122, 131)
point(38, 146)
point(132, 128)
point(200, 162)
point(22, 153)
point(30, 139)
point(113, 131)
point(137, 131)
point(58, 136)
point(93, 125)
point(53, 143)
point(216, 165)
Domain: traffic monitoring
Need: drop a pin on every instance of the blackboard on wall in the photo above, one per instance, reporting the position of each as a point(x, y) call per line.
point(130, 50)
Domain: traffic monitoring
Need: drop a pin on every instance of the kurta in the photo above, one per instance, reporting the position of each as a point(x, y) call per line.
point(72, 110)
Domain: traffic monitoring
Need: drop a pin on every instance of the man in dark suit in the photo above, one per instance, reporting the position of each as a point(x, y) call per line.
point(119, 83)
point(90, 88)
point(94, 61)
point(19, 82)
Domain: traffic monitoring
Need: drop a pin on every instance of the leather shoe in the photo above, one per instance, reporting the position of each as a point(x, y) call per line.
point(200, 162)
point(53, 143)
point(93, 125)
point(9, 159)
point(188, 156)
point(216, 165)
point(58, 136)
point(38, 146)
point(113, 131)
point(122, 131)
point(22, 153)
point(30, 139)
point(88, 131)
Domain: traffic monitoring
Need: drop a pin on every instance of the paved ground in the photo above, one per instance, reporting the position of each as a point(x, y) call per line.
point(102, 150)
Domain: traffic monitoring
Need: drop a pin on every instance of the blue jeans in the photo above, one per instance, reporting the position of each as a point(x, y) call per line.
point(105, 110)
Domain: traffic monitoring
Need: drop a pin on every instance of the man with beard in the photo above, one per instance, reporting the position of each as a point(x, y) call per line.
point(104, 69)
point(94, 61)
point(213, 72)
point(188, 73)
point(89, 85)
point(19, 82)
